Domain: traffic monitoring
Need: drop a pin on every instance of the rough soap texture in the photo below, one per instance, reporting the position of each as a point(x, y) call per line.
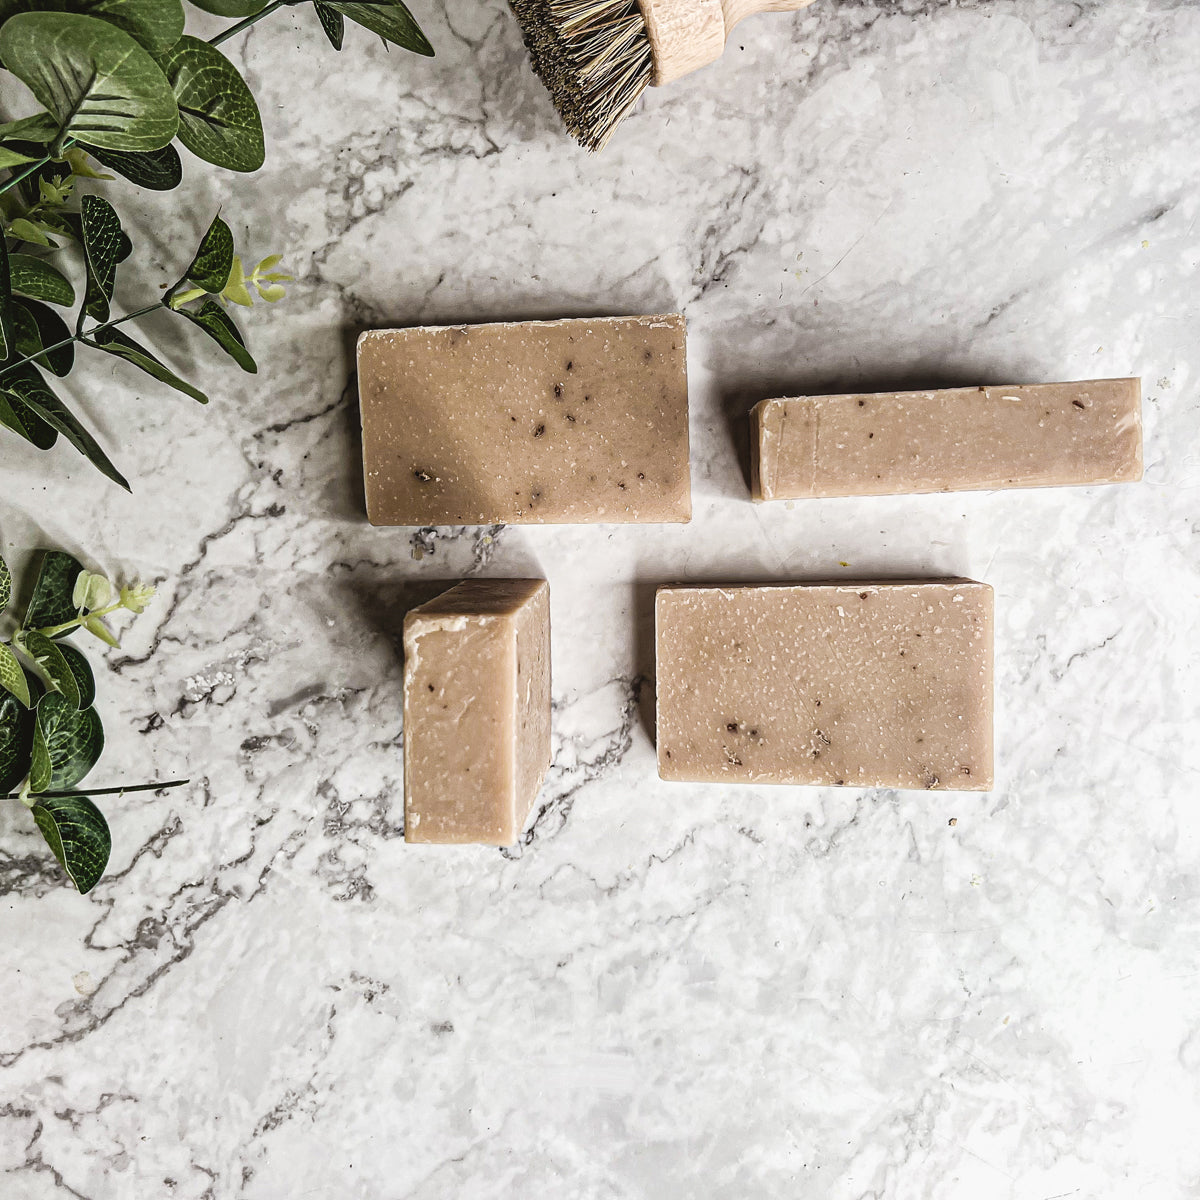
point(538, 422)
point(963, 439)
point(476, 711)
point(868, 685)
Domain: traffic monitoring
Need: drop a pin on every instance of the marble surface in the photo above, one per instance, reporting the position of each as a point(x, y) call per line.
point(665, 990)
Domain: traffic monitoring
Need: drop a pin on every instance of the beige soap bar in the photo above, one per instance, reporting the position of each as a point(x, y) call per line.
point(476, 711)
point(529, 423)
point(867, 685)
point(962, 439)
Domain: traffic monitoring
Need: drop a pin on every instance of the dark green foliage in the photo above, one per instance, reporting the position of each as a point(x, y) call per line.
point(120, 80)
point(50, 732)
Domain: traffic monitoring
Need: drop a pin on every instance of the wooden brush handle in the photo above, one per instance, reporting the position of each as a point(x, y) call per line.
point(687, 34)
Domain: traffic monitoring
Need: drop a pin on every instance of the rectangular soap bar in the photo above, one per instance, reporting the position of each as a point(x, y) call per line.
point(476, 711)
point(866, 684)
point(539, 422)
point(961, 439)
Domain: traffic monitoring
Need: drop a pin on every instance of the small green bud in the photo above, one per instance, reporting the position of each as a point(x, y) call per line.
point(97, 628)
point(178, 300)
point(135, 596)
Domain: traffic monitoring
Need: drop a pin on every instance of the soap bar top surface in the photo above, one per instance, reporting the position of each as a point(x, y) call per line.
point(866, 684)
point(476, 711)
point(526, 423)
point(960, 439)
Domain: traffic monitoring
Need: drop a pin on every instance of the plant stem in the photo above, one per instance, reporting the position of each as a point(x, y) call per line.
point(37, 166)
point(77, 337)
point(233, 30)
point(54, 630)
point(120, 791)
point(25, 174)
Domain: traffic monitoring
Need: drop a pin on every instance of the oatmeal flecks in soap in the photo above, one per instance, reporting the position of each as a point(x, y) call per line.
point(864, 685)
point(576, 421)
point(476, 711)
point(961, 439)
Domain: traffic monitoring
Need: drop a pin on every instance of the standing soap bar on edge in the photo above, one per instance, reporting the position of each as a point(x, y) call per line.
point(960, 439)
point(865, 684)
point(476, 711)
point(577, 421)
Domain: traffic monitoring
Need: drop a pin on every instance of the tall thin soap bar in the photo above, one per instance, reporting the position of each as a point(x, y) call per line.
point(476, 711)
point(960, 439)
point(866, 684)
point(527, 423)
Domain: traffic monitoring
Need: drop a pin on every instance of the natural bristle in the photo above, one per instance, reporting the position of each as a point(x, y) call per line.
point(593, 56)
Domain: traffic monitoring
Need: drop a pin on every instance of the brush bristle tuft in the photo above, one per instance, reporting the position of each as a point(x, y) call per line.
point(593, 56)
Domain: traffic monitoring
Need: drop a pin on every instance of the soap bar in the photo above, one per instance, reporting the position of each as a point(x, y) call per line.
point(476, 711)
point(530, 423)
point(962, 439)
point(866, 684)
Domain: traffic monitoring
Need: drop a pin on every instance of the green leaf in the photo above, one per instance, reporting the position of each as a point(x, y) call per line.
point(157, 170)
point(218, 118)
point(16, 416)
point(7, 332)
point(52, 602)
point(40, 128)
point(50, 662)
point(219, 326)
point(36, 278)
point(91, 591)
point(40, 766)
point(77, 159)
point(231, 8)
point(32, 390)
point(99, 84)
point(41, 326)
point(214, 258)
point(12, 675)
point(102, 236)
point(113, 341)
point(77, 833)
point(72, 738)
point(388, 18)
point(85, 681)
point(16, 741)
point(155, 24)
point(332, 22)
point(26, 231)
point(5, 585)
point(13, 158)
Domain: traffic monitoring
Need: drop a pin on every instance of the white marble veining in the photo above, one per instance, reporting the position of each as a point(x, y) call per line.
point(667, 990)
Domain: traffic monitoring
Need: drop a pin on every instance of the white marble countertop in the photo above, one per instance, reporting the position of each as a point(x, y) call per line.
point(667, 991)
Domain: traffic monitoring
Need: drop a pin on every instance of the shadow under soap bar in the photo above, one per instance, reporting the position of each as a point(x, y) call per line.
point(574, 421)
point(959, 439)
point(476, 711)
point(867, 685)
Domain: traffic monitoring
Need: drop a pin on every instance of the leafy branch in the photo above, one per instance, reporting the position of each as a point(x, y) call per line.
point(119, 81)
point(50, 733)
point(40, 341)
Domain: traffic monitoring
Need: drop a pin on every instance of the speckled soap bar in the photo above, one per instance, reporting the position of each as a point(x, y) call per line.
point(866, 684)
point(535, 422)
point(476, 710)
point(960, 439)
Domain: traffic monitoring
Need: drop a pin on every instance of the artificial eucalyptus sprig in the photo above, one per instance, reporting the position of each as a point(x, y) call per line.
point(50, 733)
point(119, 81)
point(38, 340)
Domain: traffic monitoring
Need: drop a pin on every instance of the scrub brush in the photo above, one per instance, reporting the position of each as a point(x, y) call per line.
point(596, 57)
